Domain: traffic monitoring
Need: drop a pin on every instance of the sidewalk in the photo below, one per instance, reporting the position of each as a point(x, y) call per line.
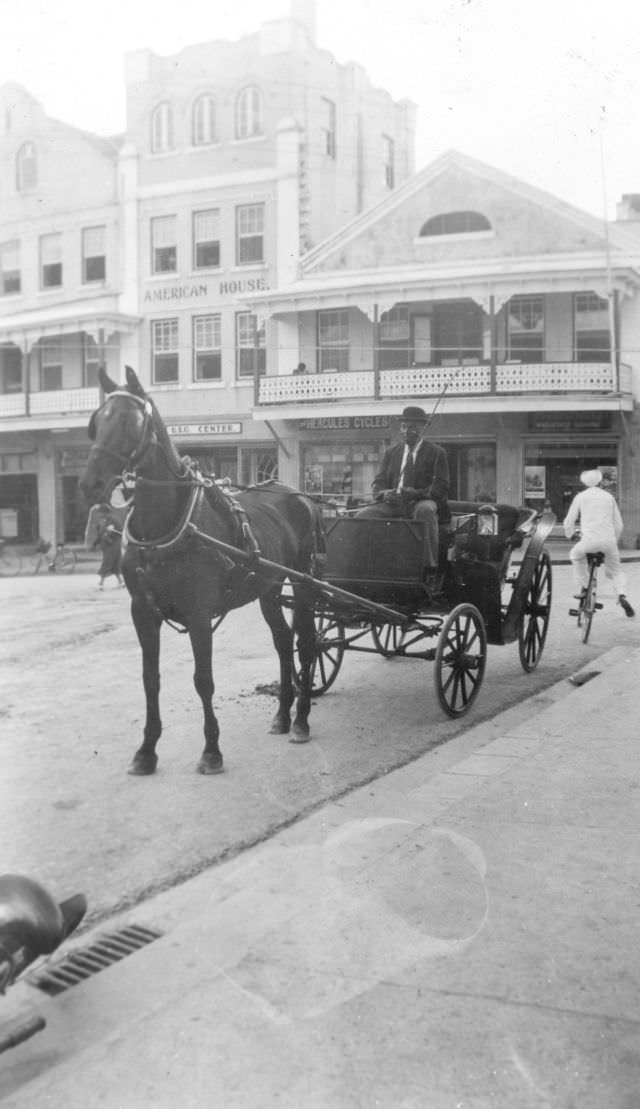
point(461, 934)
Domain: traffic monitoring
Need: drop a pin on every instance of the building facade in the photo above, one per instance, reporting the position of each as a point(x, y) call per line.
point(237, 157)
point(511, 316)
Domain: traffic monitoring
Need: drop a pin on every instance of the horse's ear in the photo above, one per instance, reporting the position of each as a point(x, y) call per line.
point(107, 384)
point(133, 384)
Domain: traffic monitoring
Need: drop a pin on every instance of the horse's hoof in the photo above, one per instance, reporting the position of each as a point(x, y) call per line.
point(143, 764)
point(279, 727)
point(210, 764)
point(301, 734)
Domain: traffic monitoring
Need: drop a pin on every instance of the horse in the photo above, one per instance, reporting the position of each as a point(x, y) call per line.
point(192, 552)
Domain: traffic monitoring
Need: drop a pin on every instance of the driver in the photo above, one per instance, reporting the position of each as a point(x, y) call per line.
point(413, 482)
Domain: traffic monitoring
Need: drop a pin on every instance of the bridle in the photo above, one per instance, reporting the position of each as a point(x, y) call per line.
point(147, 440)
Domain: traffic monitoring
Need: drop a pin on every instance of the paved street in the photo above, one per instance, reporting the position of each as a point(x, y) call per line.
point(72, 714)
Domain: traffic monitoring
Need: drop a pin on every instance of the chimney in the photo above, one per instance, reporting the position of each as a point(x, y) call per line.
point(628, 207)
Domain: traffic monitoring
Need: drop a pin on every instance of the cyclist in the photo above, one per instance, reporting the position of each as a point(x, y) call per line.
point(601, 526)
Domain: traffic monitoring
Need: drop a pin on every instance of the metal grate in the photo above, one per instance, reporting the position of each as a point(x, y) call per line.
point(82, 964)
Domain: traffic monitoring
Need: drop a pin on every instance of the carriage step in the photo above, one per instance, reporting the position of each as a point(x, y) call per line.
point(574, 612)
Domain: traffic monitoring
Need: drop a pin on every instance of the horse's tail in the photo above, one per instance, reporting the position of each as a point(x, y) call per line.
point(318, 554)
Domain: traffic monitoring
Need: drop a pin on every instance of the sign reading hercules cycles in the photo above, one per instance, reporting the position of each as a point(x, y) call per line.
point(206, 289)
point(344, 423)
point(205, 429)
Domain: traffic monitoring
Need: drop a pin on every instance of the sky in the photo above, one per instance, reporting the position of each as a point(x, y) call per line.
point(546, 90)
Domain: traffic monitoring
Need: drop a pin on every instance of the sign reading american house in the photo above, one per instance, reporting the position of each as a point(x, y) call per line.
point(194, 290)
point(229, 428)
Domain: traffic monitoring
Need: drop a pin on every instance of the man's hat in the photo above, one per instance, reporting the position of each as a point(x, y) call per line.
point(591, 477)
point(415, 413)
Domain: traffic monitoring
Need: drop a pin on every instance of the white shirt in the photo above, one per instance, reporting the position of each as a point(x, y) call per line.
point(599, 516)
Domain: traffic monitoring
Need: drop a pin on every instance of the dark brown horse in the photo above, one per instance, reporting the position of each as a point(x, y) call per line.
point(174, 574)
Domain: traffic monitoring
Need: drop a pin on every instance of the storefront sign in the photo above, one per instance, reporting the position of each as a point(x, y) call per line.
point(205, 429)
point(207, 289)
point(535, 482)
point(570, 421)
point(344, 423)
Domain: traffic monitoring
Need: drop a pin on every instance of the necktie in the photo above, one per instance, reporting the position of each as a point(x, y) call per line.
point(406, 470)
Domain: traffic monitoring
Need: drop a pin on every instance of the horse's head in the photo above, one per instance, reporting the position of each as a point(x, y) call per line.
point(122, 431)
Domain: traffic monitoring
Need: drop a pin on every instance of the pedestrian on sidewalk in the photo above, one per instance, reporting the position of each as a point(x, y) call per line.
point(103, 531)
point(595, 512)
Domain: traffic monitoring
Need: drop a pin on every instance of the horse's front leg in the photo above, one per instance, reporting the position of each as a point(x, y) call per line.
point(283, 642)
point(305, 631)
point(147, 626)
point(201, 645)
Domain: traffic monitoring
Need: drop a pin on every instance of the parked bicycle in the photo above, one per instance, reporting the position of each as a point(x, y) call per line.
point(63, 560)
point(588, 603)
point(9, 560)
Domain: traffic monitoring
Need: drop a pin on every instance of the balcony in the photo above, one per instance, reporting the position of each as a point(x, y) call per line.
point(482, 382)
point(60, 402)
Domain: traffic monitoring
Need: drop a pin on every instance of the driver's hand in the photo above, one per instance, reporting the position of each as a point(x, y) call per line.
point(391, 496)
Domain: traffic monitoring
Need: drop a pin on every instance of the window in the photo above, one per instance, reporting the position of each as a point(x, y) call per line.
point(50, 261)
point(249, 113)
point(164, 254)
point(204, 121)
point(455, 223)
point(592, 338)
point(329, 127)
point(10, 267)
point(164, 351)
point(333, 339)
point(250, 234)
point(250, 345)
point(90, 362)
point(51, 365)
point(206, 239)
point(94, 262)
point(457, 333)
point(395, 338)
point(162, 128)
point(26, 167)
point(389, 155)
point(207, 348)
point(525, 326)
point(11, 363)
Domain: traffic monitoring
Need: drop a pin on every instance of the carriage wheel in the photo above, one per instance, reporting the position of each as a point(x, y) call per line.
point(388, 638)
point(534, 621)
point(330, 647)
point(460, 660)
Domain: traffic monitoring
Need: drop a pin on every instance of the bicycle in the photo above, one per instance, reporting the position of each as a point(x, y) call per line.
point(9, 566)
point(62, 561)
point(588, 603)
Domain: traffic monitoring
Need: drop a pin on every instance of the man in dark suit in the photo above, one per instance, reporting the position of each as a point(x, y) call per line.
point(413, 482)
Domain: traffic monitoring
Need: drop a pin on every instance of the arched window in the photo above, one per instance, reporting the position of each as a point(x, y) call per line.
point(204, 121)
point(249, 113)
point(455, 223)
point(162, 128)
point(26, 167)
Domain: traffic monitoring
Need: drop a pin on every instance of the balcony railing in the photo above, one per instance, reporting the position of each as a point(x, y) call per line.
point(55, 403)
point(424, 381)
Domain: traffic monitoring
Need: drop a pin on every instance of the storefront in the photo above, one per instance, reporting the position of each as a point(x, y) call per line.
point(227, 449)
point(556, 450)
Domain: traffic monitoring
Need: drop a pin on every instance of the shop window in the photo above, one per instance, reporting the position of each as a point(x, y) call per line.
point(329, 127)
point(204, 121)
point(10, 279)
point(525, 329)
point(333, 340)
point(206, 239)
point(249, 234)
point(552, 469)
point(90, 362)
point(10, 370)
point(591, 321)
point(341, 472)
point(50, 261)
point(164, 251)
point(51, 365)
point(162, 137)
point(389, 162)
point(250, 345)
point(94, 261)
point(164, 351)
point(26, 167)
point(455, 223)
point(207, 348)
point(249, 113)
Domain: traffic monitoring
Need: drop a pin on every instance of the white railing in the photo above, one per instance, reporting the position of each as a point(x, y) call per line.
point(429, 381)
point(64, 400)
point(12, 404)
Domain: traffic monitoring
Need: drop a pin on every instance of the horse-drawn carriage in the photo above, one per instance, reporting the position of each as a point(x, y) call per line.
point(495, 588)
point(193, 551)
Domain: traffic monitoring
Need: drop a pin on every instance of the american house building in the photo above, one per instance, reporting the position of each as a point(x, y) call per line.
point(237, 157)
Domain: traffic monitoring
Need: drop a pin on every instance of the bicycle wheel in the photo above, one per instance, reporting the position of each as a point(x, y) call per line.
point(9, 567)
point(64, 561)
point(588, 605)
